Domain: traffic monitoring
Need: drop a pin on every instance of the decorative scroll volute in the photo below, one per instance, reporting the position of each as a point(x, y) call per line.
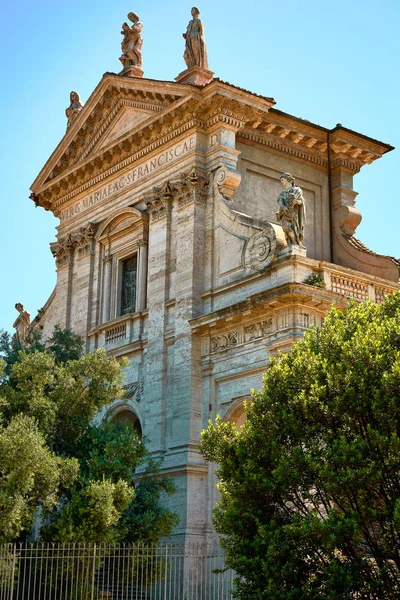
point(226, 182)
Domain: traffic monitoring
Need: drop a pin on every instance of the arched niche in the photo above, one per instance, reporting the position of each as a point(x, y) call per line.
point(236, 413)
point(124, 413)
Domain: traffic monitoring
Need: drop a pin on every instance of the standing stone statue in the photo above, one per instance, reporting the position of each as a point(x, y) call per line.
point(132, 43)
point(21, 325)
point(195, 51)
point(74, 108)
point(291, 214)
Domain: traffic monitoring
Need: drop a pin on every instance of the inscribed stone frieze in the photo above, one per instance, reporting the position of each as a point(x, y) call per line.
point(132, 177)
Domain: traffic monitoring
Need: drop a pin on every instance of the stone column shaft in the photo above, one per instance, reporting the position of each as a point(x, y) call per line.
point(107, 289)
point(142, 277)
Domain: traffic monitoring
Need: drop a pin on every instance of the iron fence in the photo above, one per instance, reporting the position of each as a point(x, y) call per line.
point(113, 572)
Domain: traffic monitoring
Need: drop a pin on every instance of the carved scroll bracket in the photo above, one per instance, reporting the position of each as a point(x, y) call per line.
point(226, 182)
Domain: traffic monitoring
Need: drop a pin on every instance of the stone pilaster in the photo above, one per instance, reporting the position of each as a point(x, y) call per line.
point(142, 275)
point(158, 205)
point(187, 401)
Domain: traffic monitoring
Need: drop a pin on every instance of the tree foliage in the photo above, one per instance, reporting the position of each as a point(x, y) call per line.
point(310, 485)
point(53, 455)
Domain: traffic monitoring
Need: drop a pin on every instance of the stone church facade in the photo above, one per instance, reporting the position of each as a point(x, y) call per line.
point(169, 251)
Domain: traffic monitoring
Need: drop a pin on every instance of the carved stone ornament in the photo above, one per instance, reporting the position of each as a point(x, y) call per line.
point(224, 341)
point(73, 110)
point(226, 182)
point(292, 213)
point(21, 325)
point(257, 330)
point(134, 390)
point(158, 204)
point(192, 187)
point(82, 241)
point(261, 248)
point(131, 47)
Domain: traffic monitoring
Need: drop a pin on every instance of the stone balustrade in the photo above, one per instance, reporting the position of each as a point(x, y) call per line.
point(362, 287)
point(124, 330)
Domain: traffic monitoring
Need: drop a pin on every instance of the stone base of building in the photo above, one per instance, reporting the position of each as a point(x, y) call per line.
point(195, 76)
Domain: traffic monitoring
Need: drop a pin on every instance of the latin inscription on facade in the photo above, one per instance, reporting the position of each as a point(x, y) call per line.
point(130, 178)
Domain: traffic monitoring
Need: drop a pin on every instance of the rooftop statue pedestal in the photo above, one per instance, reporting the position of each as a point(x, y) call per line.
point(132, 71)
point(195, 76)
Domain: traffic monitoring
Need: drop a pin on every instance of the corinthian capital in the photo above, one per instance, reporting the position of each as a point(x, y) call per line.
point(192, 187)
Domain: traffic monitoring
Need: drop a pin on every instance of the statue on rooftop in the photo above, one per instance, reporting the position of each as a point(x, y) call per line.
point(195, 51)
point(21, 325)
point(73, 109)
point(132, 42)
point(291, 214)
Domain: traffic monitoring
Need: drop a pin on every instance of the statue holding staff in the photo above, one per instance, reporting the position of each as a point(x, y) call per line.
point(291, 214)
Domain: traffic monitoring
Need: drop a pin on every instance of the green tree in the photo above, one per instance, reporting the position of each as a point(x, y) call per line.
point(53, 455)
point(310, 485)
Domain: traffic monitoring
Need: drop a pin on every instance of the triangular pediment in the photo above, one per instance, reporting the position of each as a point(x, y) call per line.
point(118, 106)
point(125, 122)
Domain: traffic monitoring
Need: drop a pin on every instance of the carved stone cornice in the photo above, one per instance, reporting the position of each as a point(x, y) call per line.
point(219, 109)
point(130, 149)
point(192, 187)
point(343, 162)
point(287, 145)
point(103, 115)
point(81, 241)
point(352, 151)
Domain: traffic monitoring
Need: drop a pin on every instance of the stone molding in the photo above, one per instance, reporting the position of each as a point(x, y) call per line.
point(80, 241)
point(104, 114)
point(284, 318)
point(191, 113)
point(248, 333)
point(279, 145)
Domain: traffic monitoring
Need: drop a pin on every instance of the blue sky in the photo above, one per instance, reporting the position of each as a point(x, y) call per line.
point(325, 62)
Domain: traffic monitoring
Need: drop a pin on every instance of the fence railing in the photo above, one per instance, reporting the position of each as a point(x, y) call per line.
point(113, 572)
